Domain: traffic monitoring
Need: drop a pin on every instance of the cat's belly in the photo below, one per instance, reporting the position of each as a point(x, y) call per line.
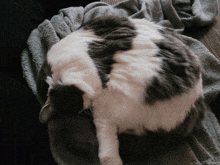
point(116, 108)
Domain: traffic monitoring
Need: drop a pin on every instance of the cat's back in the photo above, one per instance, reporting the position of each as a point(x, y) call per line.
point(155, 84)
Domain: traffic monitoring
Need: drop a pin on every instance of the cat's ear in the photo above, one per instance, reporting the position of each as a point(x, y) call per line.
point(46, 112)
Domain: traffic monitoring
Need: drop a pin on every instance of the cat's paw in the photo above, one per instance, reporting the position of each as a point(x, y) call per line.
point(111, 161)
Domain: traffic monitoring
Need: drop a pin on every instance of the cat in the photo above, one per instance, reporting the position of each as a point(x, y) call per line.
point(135, 76)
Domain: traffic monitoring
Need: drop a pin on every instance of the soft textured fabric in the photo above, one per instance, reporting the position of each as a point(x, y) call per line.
point(203, 147)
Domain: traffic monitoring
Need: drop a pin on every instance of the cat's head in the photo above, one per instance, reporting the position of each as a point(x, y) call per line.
point(62, 100)
point(71, 132)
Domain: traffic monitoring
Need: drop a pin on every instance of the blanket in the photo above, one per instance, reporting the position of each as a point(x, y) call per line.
point(203, 147)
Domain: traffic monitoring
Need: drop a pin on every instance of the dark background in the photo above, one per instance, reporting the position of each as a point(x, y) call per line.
point(23, 139)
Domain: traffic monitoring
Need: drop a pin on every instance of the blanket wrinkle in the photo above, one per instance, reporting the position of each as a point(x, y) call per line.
point(72, 16)
point(203, 147)
point(171, 14)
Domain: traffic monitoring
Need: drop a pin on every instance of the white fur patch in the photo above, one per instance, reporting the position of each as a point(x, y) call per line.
point(136, 67)
point(71, 64)
point(113, 106)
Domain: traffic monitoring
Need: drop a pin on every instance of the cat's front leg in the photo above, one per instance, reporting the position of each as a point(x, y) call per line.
point(106, 133)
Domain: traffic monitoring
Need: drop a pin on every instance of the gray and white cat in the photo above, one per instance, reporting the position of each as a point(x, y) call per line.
point(135, 75)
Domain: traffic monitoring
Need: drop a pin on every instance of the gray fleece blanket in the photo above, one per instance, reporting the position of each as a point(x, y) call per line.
point(204, 146)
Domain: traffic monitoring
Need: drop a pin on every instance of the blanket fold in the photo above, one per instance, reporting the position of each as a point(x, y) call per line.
point(203, 148)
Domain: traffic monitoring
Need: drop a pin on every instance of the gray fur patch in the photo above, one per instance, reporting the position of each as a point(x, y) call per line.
point(117, 33)
point(193, 119)
point(180, 69)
